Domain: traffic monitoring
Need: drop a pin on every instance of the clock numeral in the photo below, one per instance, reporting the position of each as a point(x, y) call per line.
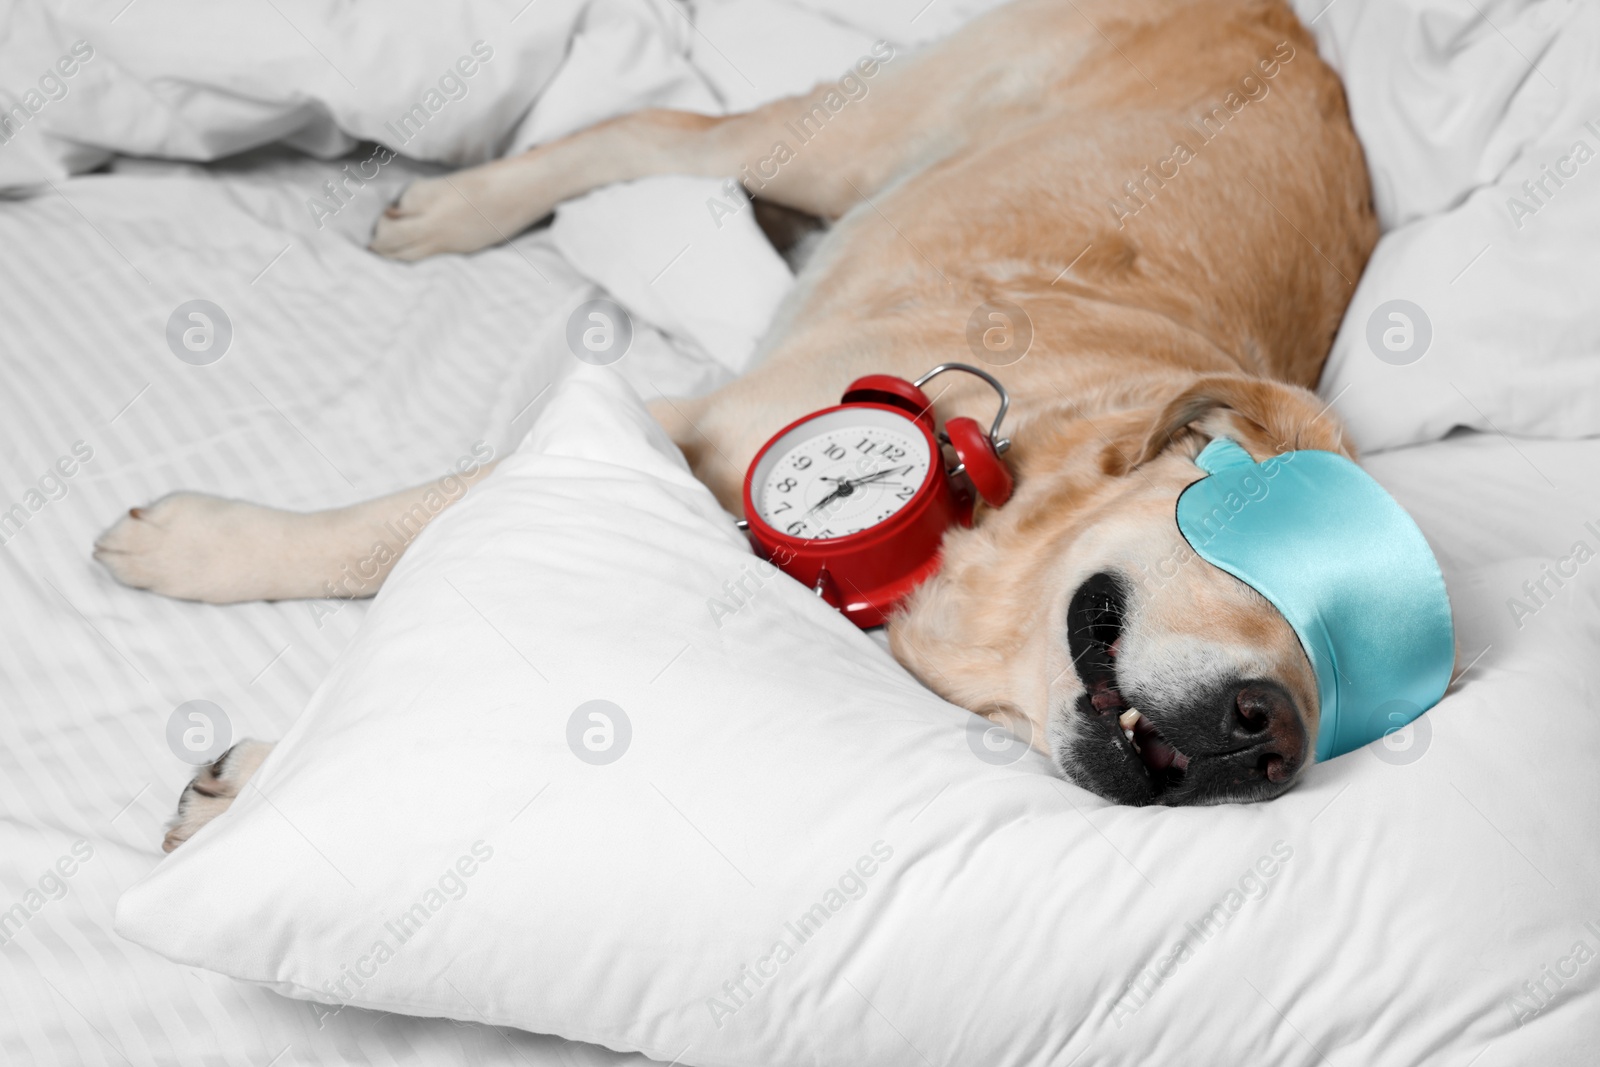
point(802, 462)
point(834, 452)
point(825, 532)
point(787, 485)
point(796, 526)
point(905, 492)
point(784, 506)
point(891, 452)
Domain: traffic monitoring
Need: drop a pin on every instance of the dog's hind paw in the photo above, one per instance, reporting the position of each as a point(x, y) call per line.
point(465, 211)
point(213, 790)
point(434, 215)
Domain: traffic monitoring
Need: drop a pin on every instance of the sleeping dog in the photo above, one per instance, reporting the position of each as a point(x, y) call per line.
point(1174, 196)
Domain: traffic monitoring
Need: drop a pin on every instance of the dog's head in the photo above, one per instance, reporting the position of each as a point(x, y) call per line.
point(1081, 617)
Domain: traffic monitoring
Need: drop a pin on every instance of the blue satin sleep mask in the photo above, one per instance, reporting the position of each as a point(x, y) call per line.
point(1346, 566)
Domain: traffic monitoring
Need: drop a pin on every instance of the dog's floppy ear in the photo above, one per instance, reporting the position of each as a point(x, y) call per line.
point(1265, 417)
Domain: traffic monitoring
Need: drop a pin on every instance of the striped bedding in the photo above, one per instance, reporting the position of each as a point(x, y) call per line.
point(346, 376)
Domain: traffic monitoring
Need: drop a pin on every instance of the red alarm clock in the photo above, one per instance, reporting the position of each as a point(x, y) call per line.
point(854, 500)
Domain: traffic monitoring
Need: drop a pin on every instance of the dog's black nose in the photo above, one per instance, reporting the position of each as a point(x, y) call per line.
point(1263, 718)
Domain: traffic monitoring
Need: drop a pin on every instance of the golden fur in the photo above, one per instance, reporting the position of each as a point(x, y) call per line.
point(1172, 193)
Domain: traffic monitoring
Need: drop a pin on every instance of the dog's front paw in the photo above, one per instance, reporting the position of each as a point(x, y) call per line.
point(213, 790)
point(196, 547)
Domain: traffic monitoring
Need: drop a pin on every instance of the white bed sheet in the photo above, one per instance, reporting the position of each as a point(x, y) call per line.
point(347, 376)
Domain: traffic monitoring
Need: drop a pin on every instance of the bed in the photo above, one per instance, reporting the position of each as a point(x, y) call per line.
point(347, 376)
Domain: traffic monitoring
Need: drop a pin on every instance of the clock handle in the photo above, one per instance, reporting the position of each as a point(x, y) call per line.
point(1000, 443)
point(978, 452)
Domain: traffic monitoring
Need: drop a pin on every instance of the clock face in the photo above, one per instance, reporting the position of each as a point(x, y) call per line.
point(840, 473)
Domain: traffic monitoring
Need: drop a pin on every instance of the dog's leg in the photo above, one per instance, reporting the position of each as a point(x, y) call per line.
point(822, 152)
point(213, 790)
point(488, 204)
point(197, 547)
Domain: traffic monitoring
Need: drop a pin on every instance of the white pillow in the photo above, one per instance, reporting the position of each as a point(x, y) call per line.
point(683, 254)
point(1465, 320)
point(1497, 329)
point(797, 855)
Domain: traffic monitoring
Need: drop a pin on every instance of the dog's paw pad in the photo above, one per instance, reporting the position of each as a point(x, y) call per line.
point(213, 790)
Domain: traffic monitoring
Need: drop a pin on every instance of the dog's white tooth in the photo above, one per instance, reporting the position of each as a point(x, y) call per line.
point(1129, 719)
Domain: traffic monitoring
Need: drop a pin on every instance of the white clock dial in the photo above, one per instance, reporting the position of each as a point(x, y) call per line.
point(840, 473)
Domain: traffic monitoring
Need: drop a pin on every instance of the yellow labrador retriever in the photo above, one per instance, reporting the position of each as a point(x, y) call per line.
point(1173, 196)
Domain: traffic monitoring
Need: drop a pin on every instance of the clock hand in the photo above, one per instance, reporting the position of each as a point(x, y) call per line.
point(868, 477)
point(881, 474)
point(847, 486)
point(844, 487)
